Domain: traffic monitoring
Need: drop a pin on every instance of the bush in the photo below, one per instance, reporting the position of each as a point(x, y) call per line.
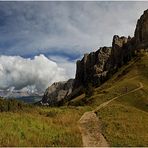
point(10, 105)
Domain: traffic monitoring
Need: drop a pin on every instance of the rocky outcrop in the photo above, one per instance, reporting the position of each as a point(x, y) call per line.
point(122, 51)
point(141, 32)
point(57, 92)
point(98, 66)
point(93, 67)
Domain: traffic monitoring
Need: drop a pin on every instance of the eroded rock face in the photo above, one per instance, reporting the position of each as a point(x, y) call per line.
point(92, 67)
point(121, 51)
point(96, 67)
point(58, 91)
point(141, 32)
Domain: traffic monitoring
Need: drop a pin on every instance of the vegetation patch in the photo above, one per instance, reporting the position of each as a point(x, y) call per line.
point(41, 126)
point(124, 125)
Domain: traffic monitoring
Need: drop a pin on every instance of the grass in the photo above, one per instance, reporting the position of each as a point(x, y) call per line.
point(124, 121)
point(124, 125)
point(41, 127)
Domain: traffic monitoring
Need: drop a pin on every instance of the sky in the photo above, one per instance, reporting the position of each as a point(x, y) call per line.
point(41, 41)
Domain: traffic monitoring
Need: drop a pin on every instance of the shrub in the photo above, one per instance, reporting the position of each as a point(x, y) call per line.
point(10, 105)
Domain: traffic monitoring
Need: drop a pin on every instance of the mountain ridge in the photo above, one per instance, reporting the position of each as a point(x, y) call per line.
point(97, 67)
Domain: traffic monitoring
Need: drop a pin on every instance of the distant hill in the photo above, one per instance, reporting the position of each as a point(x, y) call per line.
point(26, 96)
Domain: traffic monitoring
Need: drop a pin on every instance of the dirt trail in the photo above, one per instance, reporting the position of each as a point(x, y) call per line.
point(90, 127)
point(107, 102)
point(90, 130)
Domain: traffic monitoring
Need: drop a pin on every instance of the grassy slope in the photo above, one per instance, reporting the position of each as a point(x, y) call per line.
point(41, 127)
point(124, 121)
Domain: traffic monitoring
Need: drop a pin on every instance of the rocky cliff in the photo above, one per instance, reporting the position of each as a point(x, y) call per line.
point(141, 32)
point(97, 67)
point(55, 93)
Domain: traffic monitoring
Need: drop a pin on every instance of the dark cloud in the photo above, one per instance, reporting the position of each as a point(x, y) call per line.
point(40, 27)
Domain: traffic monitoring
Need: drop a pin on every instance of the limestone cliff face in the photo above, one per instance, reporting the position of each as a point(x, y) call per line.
point(96, 67)
point(122, 51)
point(141, 32)
point(93, 67)
point(55, 93)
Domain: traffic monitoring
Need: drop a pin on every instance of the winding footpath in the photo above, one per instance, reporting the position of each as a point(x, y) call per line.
point(89, 124)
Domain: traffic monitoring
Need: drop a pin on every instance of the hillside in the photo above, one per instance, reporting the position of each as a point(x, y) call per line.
point(124, 120)
point(128, 115)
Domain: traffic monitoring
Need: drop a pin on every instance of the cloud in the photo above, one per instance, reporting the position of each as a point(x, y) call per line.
point(37, 73)
point(70, 28)
point(67, 64)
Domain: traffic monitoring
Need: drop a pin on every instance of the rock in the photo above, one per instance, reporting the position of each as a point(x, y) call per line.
point(141, 31)
point(92, 67)
point(57, 92)
point(99, 66)
point(120, 51)
point(96, 67)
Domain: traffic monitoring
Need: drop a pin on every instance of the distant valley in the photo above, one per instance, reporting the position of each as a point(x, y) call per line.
point(25, 96)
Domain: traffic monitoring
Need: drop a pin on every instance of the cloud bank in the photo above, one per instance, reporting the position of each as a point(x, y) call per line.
point(64, 28)
point(37, 73)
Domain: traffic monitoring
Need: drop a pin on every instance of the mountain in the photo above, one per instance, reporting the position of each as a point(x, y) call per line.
point(99, 66)
point(141, 32)
point(55, 93)
point(26, 96)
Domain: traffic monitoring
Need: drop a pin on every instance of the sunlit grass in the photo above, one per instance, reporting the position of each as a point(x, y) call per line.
point(124, 121)
point(124, 125)
point(43, 127)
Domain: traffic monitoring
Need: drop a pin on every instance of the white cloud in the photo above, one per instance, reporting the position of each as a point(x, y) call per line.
point(37, 73)
point(65, 63)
